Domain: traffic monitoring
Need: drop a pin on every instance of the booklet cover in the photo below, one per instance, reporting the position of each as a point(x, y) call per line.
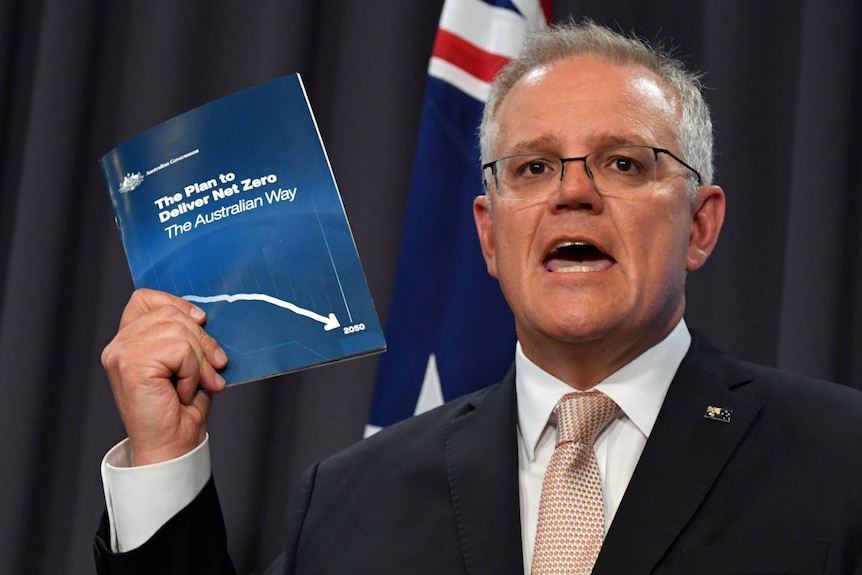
point(234, 206)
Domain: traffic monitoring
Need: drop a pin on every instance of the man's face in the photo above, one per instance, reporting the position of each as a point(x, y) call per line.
point(623, 290)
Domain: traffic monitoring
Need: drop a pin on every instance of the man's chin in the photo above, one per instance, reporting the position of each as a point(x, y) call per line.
point(574, 329)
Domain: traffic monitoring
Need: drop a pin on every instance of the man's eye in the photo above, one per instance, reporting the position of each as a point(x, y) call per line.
point(625, 165)
point(536, 168)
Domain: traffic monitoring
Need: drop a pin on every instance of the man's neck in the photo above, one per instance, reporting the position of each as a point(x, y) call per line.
point(584, 364)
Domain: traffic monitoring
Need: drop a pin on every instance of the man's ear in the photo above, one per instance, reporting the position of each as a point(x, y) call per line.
point(485, 227)
point(707, 212)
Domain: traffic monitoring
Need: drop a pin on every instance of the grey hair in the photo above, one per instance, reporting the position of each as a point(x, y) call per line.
point(694, 130)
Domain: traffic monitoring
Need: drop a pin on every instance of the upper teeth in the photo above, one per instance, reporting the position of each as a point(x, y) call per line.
point(567, 244)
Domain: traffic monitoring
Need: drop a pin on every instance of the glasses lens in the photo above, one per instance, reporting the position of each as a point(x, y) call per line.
point(619, 169)
point(528, 175)
point(623, 168)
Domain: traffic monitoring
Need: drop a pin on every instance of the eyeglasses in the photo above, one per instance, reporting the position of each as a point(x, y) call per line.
point(618, 169)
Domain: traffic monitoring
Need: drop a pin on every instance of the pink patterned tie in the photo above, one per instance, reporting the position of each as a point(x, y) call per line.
point(571, 516)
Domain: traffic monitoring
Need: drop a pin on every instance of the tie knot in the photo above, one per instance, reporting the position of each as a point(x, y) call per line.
point(582, 416)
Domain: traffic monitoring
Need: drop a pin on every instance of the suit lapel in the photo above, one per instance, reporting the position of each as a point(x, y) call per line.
point(681, 461)
point(482, 466)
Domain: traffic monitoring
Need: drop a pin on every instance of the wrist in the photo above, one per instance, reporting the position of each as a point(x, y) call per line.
point(143, 453)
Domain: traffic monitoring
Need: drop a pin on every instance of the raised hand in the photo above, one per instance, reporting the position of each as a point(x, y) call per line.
point(162, 366)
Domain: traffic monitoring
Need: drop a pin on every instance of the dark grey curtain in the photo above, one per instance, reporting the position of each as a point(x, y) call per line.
point(77, 77)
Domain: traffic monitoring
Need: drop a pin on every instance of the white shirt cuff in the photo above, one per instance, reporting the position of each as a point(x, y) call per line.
point(141, 500)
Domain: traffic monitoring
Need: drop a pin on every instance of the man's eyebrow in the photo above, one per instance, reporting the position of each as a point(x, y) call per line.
point(540, 144)
point(551, 144)
point(607, 141)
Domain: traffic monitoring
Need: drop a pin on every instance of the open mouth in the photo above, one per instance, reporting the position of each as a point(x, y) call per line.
point(575, 256)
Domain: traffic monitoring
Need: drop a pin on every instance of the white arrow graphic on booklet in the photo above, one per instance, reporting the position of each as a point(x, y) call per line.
point(329, 323)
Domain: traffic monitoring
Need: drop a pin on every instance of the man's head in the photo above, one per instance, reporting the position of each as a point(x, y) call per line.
point(593, 259)
point(694, 128)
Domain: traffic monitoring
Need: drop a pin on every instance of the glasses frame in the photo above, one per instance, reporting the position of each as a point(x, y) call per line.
point(563, 161)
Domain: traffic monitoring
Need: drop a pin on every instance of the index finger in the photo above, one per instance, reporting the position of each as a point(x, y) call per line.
point(144, 300)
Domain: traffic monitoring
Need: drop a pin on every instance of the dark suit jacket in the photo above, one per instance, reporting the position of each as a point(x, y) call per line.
point(776, 489)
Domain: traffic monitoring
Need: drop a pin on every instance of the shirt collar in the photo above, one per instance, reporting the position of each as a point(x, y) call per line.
point(638, 387)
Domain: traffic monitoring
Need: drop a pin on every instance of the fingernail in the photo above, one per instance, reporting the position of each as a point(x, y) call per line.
point(220, 356)
point(197, 313)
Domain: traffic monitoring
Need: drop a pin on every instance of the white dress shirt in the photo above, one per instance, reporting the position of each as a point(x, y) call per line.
point(142, 499)
point(638, 388)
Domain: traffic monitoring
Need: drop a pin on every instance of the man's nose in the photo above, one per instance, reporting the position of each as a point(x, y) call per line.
point(576, 189)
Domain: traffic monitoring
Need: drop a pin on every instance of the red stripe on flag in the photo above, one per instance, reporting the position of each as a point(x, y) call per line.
point(548, 9)
point(469, 57)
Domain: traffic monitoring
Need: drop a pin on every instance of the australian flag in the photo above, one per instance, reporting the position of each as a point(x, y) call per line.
point(449, 329)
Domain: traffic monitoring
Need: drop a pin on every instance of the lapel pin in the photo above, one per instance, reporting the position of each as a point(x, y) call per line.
point(718, 414)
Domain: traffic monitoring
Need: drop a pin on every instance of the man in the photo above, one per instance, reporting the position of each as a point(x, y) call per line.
point(597, 156)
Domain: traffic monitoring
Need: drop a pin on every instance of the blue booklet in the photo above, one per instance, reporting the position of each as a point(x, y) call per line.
point(234, 206)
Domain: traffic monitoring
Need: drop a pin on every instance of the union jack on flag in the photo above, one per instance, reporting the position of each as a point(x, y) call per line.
point(449, 329)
